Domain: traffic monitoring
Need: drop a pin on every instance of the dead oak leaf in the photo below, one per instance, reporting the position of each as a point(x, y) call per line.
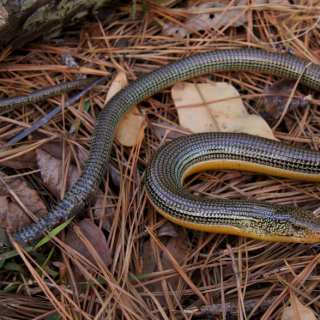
point(11, 214)
point(216, 108)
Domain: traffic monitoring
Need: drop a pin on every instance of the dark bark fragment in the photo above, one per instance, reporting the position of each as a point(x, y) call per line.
point(24, 20)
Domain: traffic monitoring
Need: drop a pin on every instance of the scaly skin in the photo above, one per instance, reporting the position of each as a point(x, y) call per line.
point(80, 194)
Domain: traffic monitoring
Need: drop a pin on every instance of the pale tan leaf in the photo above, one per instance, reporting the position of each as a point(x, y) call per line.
point(226, 115)
point(119, 82)
point(128, 127)
point(11, 214)
point(304, 312)
point(130, 123)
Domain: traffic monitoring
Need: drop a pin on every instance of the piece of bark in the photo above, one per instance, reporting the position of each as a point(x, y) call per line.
point(22, 21)
point(231, 308)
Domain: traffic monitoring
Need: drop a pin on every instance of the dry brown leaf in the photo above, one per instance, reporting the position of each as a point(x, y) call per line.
point(27, 160)
point(11, 214)
point(97, 239)
point(304, 312)
point(130, 123)
point(167, 229)
point(52, 177)
point(211, 20)
point(179, 250)
point(228, 115)
point(275, 98)
point(55, 148)
point(289, 122)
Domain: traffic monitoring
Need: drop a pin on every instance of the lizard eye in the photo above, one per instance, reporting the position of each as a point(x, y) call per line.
point(296, 227)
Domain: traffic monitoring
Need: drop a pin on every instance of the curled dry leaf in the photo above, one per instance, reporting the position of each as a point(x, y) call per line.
point(11, 214)
point(167, 229)
point(130, 123)
point(304, 312)
point(179, 250)
point(198, 113)
point(274, 98)
point(209, 20)
point(97, 239)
